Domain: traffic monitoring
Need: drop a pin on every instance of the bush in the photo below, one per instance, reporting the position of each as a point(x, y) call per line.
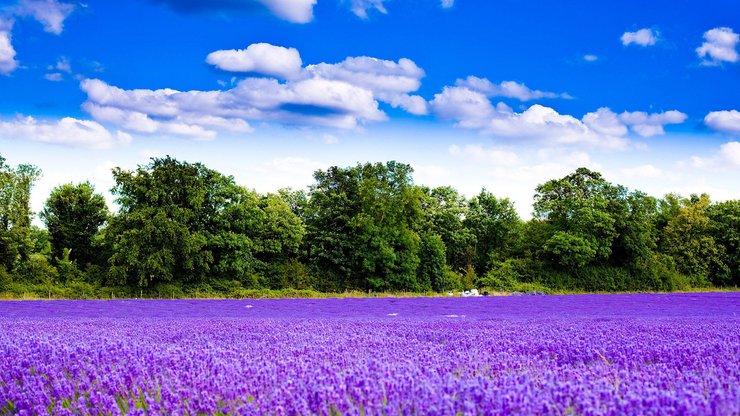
point(38, 270)
point(505, 277)
point(5, 278)
point(453, 280)
point(502, 276)
point(80, 290)
point(67, 269)
point(290, 274)
point(661, 273)
point(469, 278)
point(165, 290)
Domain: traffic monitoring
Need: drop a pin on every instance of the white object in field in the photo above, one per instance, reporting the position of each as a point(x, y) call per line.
point(471, 292)
point(450, 294)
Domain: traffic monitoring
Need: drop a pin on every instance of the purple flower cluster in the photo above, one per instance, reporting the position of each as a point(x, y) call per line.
point(591, 354)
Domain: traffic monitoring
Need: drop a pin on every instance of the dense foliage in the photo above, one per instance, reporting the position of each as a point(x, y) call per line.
point(184, 229)
point(639, 354)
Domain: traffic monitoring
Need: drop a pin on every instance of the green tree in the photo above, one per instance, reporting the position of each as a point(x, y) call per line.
point(635, 224)
point(15, 213)
point(725, 229)
point(444, 212)
point(73, 215)
point(361, 224)
point(688, 239)
point(432, 271)
point(168, 212)
point(257, 235)
point(582, 209)
point(494, 224)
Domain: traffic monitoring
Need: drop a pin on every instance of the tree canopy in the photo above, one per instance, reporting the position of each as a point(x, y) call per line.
point(185, 228)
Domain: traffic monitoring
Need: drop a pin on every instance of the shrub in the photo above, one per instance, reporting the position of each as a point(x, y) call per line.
point(38, 270)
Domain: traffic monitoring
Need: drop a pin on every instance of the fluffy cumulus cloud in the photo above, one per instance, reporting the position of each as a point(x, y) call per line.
point(508, 89)
point(342, 95)
point(202, 114)
point(731, 153)
point(727, 157)
point(192, 114)
point(642, 37)
point(472, 109)
point(66, 131)
point(7, 53)
point(263, 58)
point(648, 125)
point(50, 13)
point(725, 121)
point(719, 46)
point(391, 82)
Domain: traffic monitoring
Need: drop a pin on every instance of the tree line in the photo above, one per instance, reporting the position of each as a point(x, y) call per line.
point(182, 228)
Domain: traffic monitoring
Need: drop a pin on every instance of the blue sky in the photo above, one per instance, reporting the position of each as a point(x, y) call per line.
point(497, 94)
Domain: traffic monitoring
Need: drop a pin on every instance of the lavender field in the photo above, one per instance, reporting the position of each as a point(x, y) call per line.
point(585, 354)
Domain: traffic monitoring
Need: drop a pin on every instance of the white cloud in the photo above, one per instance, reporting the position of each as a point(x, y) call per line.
point(7, 53)
point(642, 37)
point(390, 81)
point(447, 3)
point(57, 69)
point(50, 13)
point(66, 131)
point(509, 89)
point(201, 114)
point(63, 65)
point(473, 110)
point(728, 157)
point(725, 121)
point(360, 7)
point(648, 125)
point(296, 11)
point(590, 58)
point(54, 76)
point(731, 152)
point(642, 171)
point(604, 121)
point(719, 46)
point(263, 58)
point(342, 95)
